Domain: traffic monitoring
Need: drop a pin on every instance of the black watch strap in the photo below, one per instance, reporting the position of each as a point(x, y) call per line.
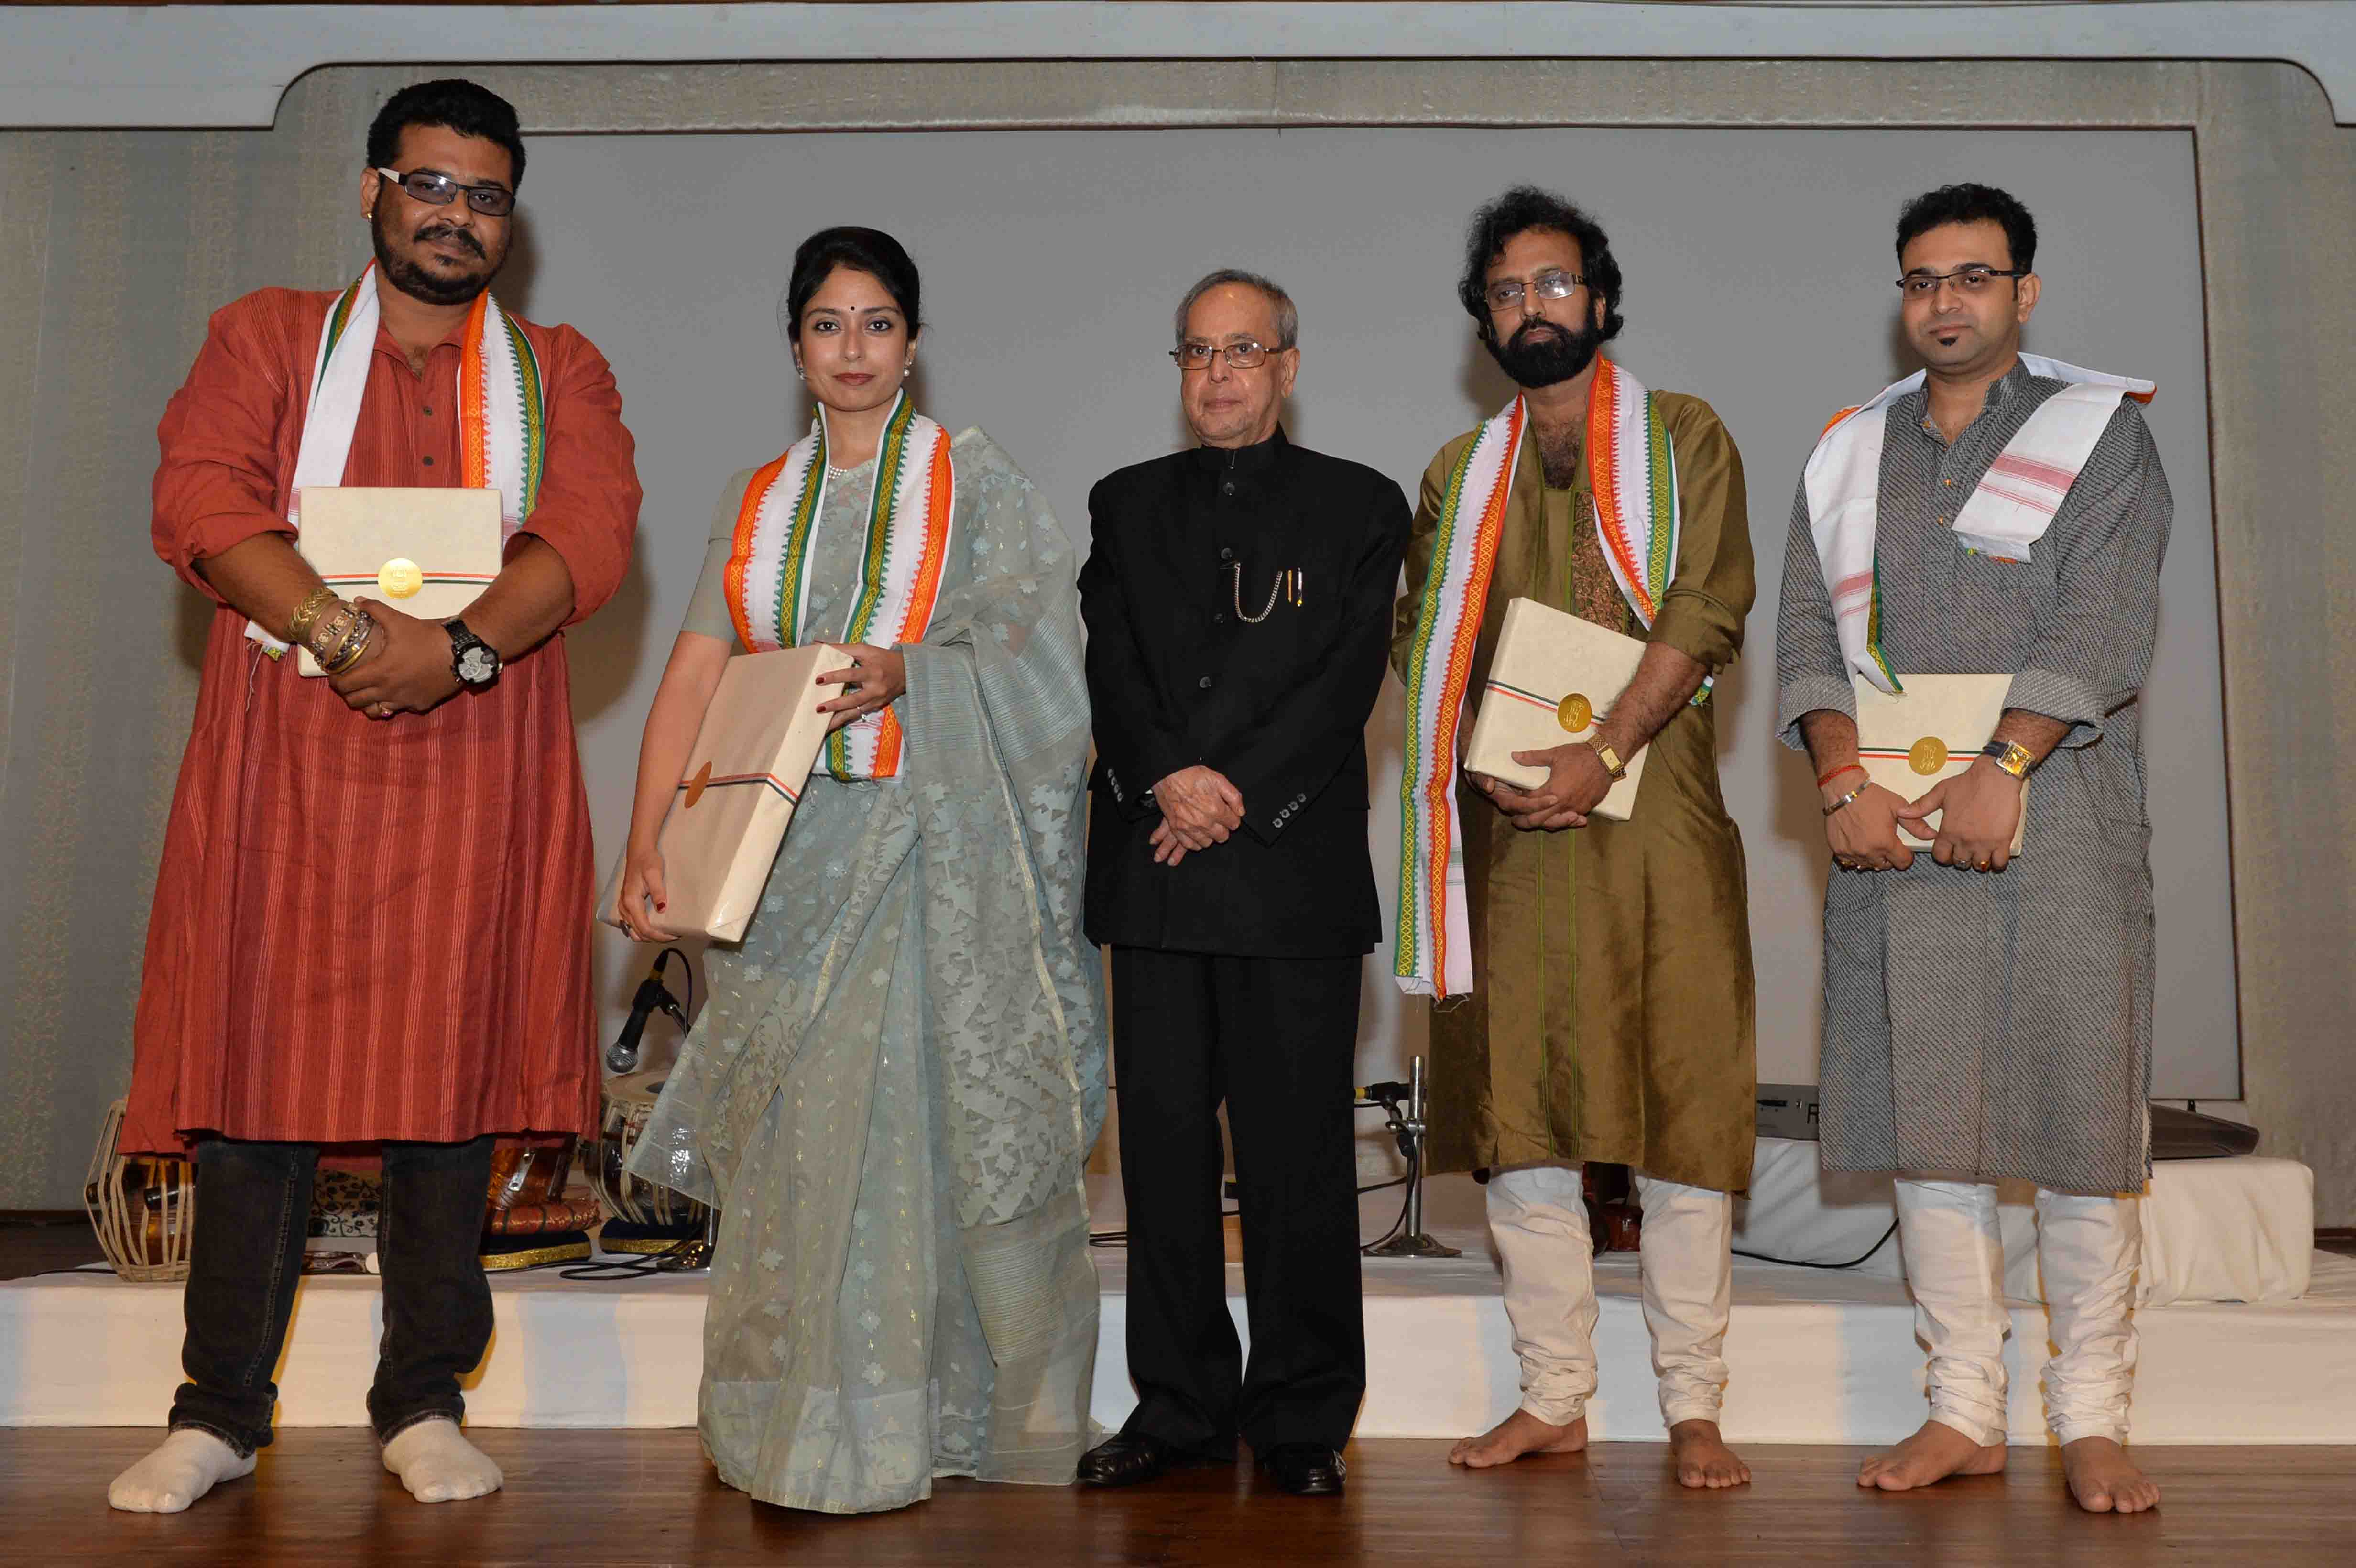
point(472, 662)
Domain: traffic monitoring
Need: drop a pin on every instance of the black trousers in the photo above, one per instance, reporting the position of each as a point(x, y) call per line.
point(1275, 1039)
point(254, 1208)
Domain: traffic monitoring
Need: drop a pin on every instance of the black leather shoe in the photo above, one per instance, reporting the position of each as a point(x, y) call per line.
point(1305, 1469)
point(1124, 1461)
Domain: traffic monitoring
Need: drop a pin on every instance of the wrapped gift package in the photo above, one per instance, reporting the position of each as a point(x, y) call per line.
point(1554, 679)
point(1934, 730)
point(427, 554)
point(761, 734)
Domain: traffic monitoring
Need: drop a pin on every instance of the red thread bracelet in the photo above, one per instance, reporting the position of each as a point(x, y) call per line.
point(1837, 773)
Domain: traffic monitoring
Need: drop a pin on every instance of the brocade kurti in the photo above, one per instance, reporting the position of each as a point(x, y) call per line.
point(365, 929)
point(1999, 1025)
point(1611, 1015)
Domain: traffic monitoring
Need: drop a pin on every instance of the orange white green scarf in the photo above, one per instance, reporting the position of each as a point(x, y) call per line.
point(908, 513)
point(1632, 470)
point(502, 409)
point(2005, 516)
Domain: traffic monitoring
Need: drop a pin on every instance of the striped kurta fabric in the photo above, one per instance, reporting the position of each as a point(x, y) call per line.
point(362, 929)
point(1997, 1026)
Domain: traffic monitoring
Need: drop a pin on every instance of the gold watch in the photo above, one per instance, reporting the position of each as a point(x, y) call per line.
point(1610, 759)
point(2011, 755)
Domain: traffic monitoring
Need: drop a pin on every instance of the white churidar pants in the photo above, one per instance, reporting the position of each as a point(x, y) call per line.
point(2087, 1252)
point(1538, 1215)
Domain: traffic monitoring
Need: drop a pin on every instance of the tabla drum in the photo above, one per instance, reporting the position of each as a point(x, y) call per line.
point(144, 1208)
point(642, 1216)
point(528, 1220)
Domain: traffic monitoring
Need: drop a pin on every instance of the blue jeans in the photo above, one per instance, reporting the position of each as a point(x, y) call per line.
point(254, 1209)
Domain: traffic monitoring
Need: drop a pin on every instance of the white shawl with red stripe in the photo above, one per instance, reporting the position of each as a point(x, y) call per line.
point(2007, 514)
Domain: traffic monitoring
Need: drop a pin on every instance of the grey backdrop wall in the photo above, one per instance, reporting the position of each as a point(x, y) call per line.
point(115, 245)
point(1760, 268)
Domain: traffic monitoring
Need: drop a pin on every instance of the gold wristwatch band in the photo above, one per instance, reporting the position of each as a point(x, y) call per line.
point(1610, 759)
point(2011, 755)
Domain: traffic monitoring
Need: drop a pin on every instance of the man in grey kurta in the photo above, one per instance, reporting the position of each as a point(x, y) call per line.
point(1985, 1020)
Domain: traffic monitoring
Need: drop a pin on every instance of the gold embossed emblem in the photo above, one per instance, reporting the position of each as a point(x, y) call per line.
point(1927, 755)
point(399, 578)
point(1574, 712)
point(696, 786)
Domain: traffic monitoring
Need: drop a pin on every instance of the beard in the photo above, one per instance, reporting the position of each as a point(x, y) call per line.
point(414, 280)
point(1543, 354)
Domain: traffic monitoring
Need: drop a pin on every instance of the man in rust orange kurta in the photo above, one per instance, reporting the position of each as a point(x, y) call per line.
point(371, 919)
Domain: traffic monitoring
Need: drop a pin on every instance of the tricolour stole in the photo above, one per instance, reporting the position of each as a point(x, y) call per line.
point(908, 513)
point(2005, 515)
point(502, 410)
point(1633, 469)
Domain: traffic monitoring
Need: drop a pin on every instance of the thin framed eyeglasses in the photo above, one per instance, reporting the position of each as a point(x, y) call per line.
point(1968, 281)
point(440, 190)
point(1246, 354)
point(1508, 293)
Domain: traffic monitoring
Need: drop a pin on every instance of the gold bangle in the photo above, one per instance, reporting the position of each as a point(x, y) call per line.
point(308, 610)
point(329, 634)
point(327, 631)
point(354, 646)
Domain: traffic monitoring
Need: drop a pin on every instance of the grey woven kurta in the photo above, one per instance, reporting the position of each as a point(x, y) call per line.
point(1999, 1025)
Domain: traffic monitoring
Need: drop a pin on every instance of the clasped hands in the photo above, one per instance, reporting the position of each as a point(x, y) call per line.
point(1980, 811)
point(406, 669)
point(1199, 808)
point(1576, 784)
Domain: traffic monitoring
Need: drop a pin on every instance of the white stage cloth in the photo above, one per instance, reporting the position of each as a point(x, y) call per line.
point(1817, 1357)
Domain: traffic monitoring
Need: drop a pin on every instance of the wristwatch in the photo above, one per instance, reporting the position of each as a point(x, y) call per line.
point(2011, 755)
point(474, 661)
point(1610, 759)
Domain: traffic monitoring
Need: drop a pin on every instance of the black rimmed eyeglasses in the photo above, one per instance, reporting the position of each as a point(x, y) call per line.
point(1968, 281)
point(440, 190)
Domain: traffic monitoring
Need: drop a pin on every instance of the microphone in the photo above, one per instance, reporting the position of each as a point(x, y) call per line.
point(1387, 1094)
point(652, 996)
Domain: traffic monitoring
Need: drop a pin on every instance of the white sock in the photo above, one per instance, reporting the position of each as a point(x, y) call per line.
point(179, 1470)
point(437, 1464)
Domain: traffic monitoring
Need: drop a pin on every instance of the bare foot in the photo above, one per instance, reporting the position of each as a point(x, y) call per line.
point(1519, 1434)
point(1703, 1458)
point(1932, 1454)
point(2103, 1479)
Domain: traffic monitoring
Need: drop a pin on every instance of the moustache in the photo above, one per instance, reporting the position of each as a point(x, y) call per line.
point(433, 232)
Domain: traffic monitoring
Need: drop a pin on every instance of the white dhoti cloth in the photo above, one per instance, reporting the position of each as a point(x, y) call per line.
point(2088, 1250)
point(1538, 1215)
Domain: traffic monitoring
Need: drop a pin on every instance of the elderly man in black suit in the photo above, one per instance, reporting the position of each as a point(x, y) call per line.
point(1238, 600)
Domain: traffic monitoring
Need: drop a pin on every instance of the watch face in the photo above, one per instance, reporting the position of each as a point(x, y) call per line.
point(475, 665)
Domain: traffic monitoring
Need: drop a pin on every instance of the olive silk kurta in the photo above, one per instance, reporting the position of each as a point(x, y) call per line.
point(364, 929)
point(1610, 1017)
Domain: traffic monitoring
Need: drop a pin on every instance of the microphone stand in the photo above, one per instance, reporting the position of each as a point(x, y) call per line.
point(1411, 1241)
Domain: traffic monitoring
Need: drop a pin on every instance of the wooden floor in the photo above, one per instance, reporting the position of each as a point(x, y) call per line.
point(593, 1498)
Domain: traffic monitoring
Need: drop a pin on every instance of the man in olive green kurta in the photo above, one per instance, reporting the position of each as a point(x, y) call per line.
point(1609, 1013)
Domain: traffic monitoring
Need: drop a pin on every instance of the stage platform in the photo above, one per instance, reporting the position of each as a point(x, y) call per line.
point(1816, 1356)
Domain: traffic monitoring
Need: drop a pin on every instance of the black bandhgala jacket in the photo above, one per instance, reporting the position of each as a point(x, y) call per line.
point(1177, 678)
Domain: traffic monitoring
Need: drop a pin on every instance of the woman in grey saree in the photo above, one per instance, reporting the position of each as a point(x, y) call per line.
point(901, 1068)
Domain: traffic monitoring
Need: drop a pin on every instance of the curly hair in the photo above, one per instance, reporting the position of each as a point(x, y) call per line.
point(1518, 212)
